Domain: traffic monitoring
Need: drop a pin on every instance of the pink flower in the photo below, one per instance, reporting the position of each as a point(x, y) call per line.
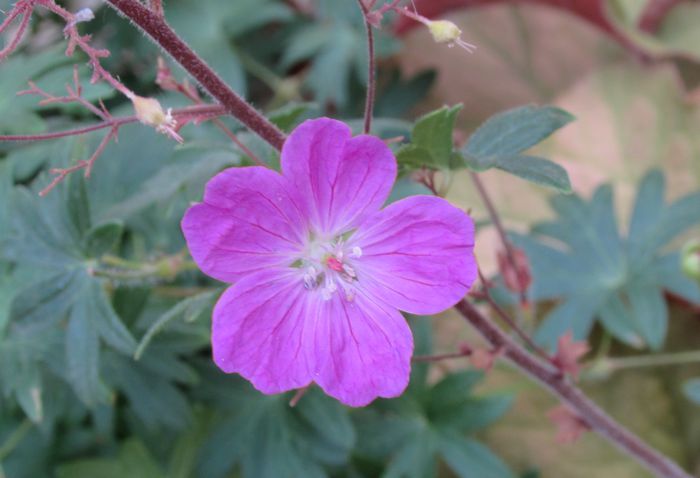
point(320, 272)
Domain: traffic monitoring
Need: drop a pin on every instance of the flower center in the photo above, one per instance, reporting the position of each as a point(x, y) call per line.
point(327, 267)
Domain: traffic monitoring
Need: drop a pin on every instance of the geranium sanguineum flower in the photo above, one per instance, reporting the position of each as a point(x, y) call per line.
point(319, 272)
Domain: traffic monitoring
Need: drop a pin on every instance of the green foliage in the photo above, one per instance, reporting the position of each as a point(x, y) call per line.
point(429, 423)
point(335, 45)
point(431, 141)
point(583, 260)
point(499, 142)
point(133, 460)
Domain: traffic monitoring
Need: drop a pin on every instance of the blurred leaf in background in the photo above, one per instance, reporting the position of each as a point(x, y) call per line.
point(584, 260)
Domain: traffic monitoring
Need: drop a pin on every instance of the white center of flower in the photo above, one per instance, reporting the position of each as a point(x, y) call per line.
point(327, 267)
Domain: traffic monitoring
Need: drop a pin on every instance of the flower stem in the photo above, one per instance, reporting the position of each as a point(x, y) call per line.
point(496, 221)
point(655, 360)
point(569, 394)
point(371, 68)
point(439, 357)
point(156, 27)
point(112, 123)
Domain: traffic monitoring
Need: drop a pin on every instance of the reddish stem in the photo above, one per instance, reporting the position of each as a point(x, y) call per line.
point(555, 382)
point(26, 13)
point(204, 110)
point(371, 68)
point(156, 27)
point(510, 322)
point(496, 221)
point(185, 89)
point(62, 173)
point(440, 357)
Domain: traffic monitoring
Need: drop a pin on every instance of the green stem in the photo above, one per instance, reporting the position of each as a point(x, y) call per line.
point(604, 347)
point(657, 360)
point(15, 438)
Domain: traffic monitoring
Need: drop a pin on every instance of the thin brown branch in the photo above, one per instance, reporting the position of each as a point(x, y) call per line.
point(439, 357)
point(503, 315)
point(371, 68)
point(205, 111)
point(26, 13)
point(552, 379)
point(166, 81)
point(496, 221)
point(156, 27)
point(62, 173)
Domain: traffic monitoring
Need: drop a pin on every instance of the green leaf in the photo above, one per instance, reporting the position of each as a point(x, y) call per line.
point(415, 459)
point(472, 414)
point(212, 42)
point(133, 461)
point(619, 281)
point(399, 96)
point(324, 428)
point(649, 310)
point(516, 130)
point(411, 431)
point(103, 238)
point(190, 308)
point(286, 118)
point(82, 347)
point(6, 185)
point(453, 390)
point(47, 301)
point(539, 171)
point(153, 398)
point(29, 394)
point(619, 321)
point(470, 459)
point(183, 459)
point(412, 157)
point(692, 390)
point(433, 134)
point(649, 205)
point(191, 165)
point(108, 325)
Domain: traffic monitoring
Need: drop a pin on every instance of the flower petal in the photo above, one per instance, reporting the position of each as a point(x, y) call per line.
point(417, 254)
point(339, 179)
point(258, 330)
point(247, 222)
point(362, 349)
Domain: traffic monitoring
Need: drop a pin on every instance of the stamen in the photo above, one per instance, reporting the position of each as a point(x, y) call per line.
point(356, 252)
point(311, 278)
point(348, 273)
point(328, 289)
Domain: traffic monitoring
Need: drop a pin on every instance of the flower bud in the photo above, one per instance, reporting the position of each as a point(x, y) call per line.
point(444, 31)
point(690, 259)
point(150, 112)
